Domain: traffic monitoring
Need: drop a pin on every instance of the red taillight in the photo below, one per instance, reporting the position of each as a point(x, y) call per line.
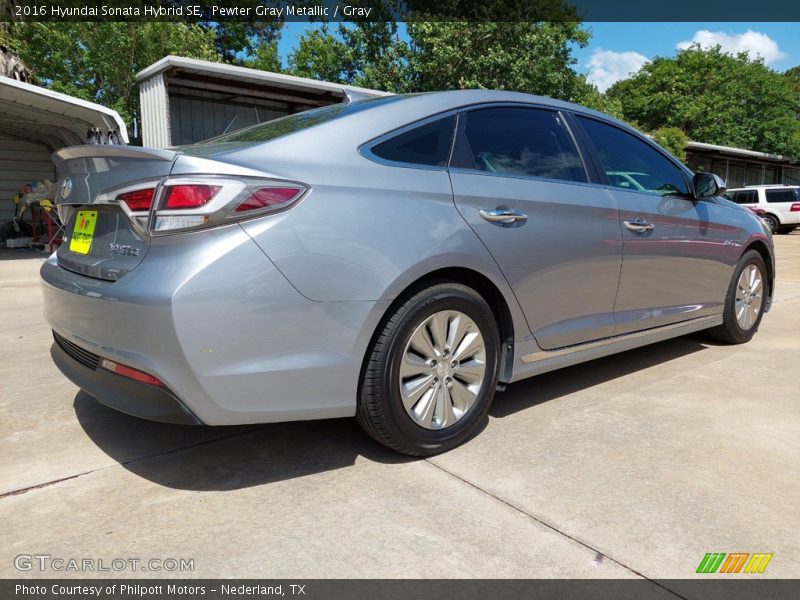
point(130, 372)
point(795, 207)
point(189, 196)
point(137, 200)
point(268, 197)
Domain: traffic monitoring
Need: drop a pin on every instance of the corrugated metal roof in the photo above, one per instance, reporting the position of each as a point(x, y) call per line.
point(253, 76)
point(737, 151)
point(30, 112)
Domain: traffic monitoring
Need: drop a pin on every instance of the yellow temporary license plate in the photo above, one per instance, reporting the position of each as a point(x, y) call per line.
point(81, 240)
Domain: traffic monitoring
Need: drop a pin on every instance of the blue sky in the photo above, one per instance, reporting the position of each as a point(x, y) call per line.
point(617, 49)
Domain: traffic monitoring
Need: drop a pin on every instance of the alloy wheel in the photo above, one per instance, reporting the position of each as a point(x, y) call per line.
point(749, 297)
point(442, 369)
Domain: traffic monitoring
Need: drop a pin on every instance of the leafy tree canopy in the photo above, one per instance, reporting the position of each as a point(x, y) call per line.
point(673, 140)
point(793, 75)
point(533, 57)
point(714, 97)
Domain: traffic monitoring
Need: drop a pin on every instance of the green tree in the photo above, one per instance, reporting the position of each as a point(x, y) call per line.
point(236, 41)
point(793, 75)
point(521, 56)
point(265, 57)
point(673, 140)
point(714, 97)
point(533, 57)
point(320, 54)
point(99, 61)
point(364, 54)
point(588, 95)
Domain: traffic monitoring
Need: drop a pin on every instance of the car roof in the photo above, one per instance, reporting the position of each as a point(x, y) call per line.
point(452, 99)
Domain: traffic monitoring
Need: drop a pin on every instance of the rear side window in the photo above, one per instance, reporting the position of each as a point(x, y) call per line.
point(520, 141)
point(744, 196)
point(428, 144)
point(779, 195)
point(633, 164)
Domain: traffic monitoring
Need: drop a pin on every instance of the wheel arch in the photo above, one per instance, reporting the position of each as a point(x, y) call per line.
point(471, 278)
point(762, 248)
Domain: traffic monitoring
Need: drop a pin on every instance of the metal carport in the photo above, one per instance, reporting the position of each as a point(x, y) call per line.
point(34, 122)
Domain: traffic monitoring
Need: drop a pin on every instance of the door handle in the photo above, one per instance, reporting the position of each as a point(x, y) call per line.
point(639, 225)
point(504, 216)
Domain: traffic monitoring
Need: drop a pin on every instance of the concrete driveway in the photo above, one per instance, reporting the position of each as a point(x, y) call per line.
point(633, 466)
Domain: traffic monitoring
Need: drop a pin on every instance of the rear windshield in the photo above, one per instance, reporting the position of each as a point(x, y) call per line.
point(264, 132)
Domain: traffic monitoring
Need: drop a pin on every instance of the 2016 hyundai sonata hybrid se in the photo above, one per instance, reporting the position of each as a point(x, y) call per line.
point(398, 259)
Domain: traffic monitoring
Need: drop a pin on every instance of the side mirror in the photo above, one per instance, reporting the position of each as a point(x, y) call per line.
point(707, 185)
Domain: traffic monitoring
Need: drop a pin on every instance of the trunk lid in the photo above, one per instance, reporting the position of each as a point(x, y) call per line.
point(100, 239)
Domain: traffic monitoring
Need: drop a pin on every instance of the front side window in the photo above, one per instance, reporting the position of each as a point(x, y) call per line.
point(779, 195)
point(631, 163)
point(520, 141)
point(427, 144)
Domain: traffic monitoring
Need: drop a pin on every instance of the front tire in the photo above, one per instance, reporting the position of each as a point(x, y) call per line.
point(745, 301)
point(431, 371)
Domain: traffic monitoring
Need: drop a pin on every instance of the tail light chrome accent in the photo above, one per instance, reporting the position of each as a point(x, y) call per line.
point(194, 202)
point(185, 203)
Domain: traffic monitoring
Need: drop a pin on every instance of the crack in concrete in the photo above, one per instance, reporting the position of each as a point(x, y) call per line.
point(553, 528)
point(45, 484)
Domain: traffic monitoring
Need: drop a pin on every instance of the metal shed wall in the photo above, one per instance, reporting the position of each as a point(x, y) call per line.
point(187, 100)
point(198, 115)
point(155, 112)
point(740, 167)
point(21, 162)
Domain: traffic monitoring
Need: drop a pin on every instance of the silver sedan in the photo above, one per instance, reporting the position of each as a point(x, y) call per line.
point(397, 259)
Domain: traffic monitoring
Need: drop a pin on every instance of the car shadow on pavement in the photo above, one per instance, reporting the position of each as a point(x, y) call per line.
point(548, 386)
point(226, 458)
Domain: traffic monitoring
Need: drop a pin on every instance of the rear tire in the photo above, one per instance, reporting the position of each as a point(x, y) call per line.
point(786, 229)
point(773, 222)
point(431, 371)
point(744, 302)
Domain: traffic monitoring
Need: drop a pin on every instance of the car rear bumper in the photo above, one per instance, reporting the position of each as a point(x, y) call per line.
point(211, 317)
point(117, 392)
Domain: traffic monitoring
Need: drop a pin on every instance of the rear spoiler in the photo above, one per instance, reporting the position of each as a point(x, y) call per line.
point(110, 151)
